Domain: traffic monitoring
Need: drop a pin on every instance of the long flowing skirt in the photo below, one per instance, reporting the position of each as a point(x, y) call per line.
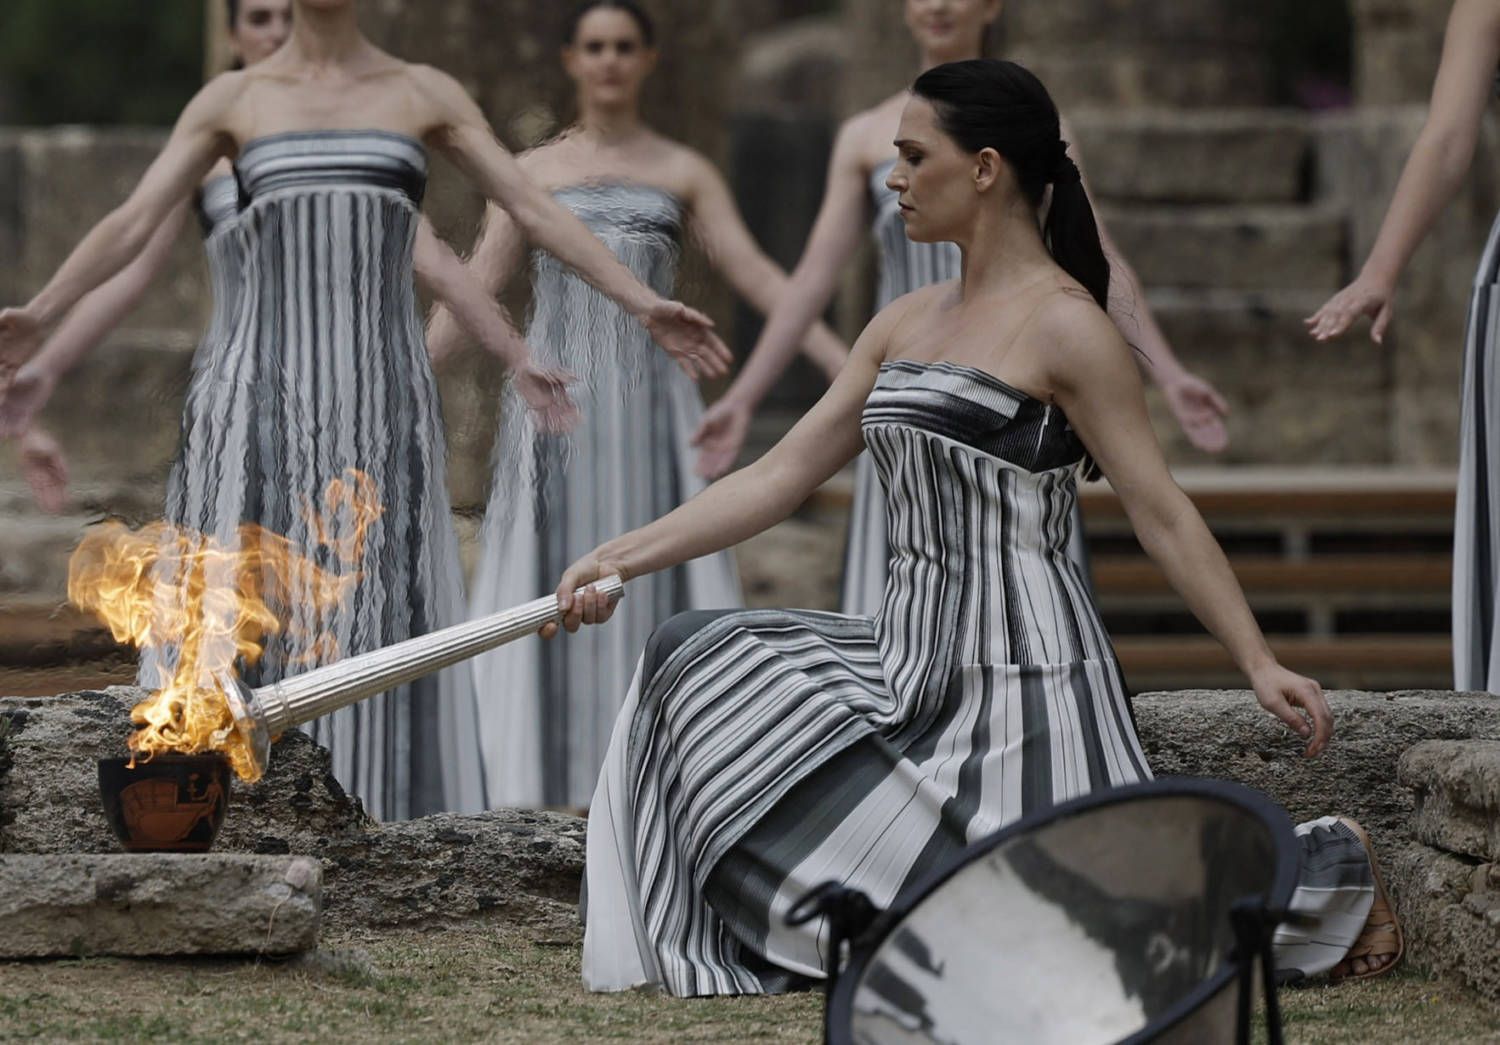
point(1476, 529)
point(762, 753)
point(547, 709)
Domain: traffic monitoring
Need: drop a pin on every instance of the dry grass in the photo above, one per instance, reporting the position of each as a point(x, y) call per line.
point(502, 984)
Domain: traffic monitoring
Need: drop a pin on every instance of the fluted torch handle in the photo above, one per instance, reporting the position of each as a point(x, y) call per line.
point(305, 697)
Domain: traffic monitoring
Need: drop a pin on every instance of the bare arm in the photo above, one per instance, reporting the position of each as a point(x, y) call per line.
point(468, 140)
point(836, 235)
point(89, 322)
point(496, 255)
point(196, 141)
point(733, 252)
point(461, 296)
point(1098, 387)
point(1436, 168)
point(751, 500)
point(1197, 405)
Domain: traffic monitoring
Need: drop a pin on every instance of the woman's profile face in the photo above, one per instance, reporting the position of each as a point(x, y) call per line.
point(608, 58)
point(950, 26)
point(933, 178)
point(261, 29)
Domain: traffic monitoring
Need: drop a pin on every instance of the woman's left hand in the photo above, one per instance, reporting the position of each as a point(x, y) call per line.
point(687, 335)
point(1200, 410)
point(46, 470)
point(1295, 699)
point(546, 395)
point(577, 597)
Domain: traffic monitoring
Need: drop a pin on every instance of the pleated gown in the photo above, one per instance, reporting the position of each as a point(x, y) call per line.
point(762, 753)
point(548, 708)
point(322, 368)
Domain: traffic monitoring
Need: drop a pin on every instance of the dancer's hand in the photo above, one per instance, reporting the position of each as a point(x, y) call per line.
point(687, 335)
point(46, 470)
point(1366, 296)
point(20, 337)
point(579, 600)
point(546, 395)
point(1200, 410)
point(721, 436)
point(1282, 693)
point(27, 393)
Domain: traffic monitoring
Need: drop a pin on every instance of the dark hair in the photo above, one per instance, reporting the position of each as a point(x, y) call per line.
point(985, 103)
point(233, 7)
point(630, 7)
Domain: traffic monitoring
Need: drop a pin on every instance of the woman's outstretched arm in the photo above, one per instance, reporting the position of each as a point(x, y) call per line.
point(449, 281)
point(463, 133)
point(84, 328)
point(497, 252)
point(748, 501)
point(1436, 168)
point(1094, 378)
point(733, 252)
point(196, 141)
point(836, 235)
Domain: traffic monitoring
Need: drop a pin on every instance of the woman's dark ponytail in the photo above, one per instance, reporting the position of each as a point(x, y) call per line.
point(985, 103)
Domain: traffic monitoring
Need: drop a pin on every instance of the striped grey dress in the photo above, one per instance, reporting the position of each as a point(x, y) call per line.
point(1476, 530)
point(321, 368)
point(547, 709)
point(761, 753)
point(904, 267)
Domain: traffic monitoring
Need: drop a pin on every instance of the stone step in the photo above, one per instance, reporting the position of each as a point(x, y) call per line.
point(1186, 157)
point(1456, 786)
point(1245, 247)
point(157, 904)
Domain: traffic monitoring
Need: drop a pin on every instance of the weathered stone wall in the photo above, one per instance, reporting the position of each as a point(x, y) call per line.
point(1397, 44)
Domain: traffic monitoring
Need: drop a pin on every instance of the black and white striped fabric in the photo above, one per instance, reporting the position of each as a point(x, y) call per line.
point(761, 753)
point(547, 709)
point(323, 368)
point(904, 267)
point(1476, 530)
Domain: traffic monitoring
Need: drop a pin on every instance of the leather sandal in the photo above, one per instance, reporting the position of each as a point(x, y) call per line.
point(1381, 935)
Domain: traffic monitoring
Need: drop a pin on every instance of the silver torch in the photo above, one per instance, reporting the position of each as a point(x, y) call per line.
point(269, 711)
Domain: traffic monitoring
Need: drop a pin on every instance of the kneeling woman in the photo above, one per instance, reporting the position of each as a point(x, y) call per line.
point(761, 753)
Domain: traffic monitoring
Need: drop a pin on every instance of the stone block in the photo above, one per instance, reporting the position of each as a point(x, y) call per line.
point(158, 904)
point(1170, 156)
point(1255, 247)
point(504, 864)
point(1292, 400)
point(1450, 910)
point(1456, 787)
point(1227, 735)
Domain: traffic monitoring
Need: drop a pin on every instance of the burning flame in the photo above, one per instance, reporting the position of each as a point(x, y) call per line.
point(203, 605)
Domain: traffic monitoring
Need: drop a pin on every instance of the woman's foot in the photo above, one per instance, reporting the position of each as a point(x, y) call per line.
point(1381, 943)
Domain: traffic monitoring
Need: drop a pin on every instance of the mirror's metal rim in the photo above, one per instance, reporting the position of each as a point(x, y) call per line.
point(1283, 882)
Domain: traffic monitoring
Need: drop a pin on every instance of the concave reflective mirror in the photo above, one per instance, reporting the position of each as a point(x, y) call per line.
point(1104, 923)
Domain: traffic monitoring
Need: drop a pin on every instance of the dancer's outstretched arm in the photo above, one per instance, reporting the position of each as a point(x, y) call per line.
point(685, 333)
point(748, 501)
point(497, 253)
point(839, 229)
point(1096, 383)
point(732, 250)
point(1197, 405)
point(84, 328)
point(1436, 168)
point(196, 142)
point(448, 280)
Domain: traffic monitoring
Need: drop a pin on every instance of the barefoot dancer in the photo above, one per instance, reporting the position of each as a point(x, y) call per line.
point(325, 366)
point(547, 711)
point(761, 753)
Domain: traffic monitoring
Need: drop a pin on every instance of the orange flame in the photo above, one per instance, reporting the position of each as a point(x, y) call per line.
point(204, 604)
